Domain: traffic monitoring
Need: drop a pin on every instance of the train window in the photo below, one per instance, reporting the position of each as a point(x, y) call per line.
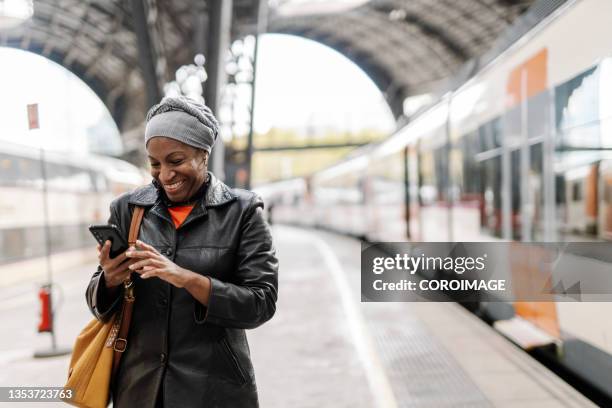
point(576, 192)
point(68, 178)
point(491, 195)
point(515, 182)
point(8, 170)
point(513, 126)
point(441, 164)
point(578, 212)
point(466, 188)
point(18, 170)
point(489, 136)
point(54, 170)
point(535, 190)
point(26, 172)
point(387, 183)
point(538, 115)
point(5, 164)
point(427, 179)
point(496, 129)
point(577, 101)
point(560, 189)
point(29, 171)
point(470, 182)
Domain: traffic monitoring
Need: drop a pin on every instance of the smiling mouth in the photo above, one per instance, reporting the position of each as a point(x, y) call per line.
point(171, 188)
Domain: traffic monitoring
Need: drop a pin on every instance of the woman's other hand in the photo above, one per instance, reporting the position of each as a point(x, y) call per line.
point(116, 269)
point(148, 262)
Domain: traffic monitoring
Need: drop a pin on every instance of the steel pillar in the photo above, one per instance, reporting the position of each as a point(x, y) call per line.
point(146, 54)
point(217, 44)
point(262, 23)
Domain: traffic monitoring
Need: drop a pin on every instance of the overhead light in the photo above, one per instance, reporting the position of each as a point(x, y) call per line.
point(397, 14)
point(15, 12)
point(316, 7)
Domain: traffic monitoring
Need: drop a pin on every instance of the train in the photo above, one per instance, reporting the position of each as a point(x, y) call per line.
point(48, 199)
point(519, 152)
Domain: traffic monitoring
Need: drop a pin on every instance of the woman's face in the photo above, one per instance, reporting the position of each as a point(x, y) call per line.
point(179, 168)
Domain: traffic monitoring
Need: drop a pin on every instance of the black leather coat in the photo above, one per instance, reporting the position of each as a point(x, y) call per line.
point(197, 356)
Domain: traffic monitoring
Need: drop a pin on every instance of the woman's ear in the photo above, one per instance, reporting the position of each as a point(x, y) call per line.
point(204, 159)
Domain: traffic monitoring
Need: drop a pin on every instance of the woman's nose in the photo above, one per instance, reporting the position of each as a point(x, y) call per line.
point(166, 174)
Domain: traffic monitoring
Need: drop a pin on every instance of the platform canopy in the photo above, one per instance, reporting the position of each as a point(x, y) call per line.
point(124, 49)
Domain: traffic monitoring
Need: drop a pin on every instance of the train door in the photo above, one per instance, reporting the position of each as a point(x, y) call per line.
point(465, 178)
point(433, 189)
point(527, 140)
point(413, 215)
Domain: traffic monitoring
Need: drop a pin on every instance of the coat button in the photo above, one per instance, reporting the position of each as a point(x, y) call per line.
point(164, 301)
point(162, 358)
point(168, 252)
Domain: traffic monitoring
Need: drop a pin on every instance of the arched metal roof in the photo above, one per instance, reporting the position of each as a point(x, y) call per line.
point(407, 47)
point(122, 48)
point(117, 47)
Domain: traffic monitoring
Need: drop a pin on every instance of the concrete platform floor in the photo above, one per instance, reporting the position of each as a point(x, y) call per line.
point(324, 348)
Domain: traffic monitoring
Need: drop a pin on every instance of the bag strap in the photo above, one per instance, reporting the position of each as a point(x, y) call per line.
point(125, 318)
point(135, 225)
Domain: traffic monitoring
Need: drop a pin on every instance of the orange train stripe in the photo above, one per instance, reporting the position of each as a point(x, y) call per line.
point(535, 73)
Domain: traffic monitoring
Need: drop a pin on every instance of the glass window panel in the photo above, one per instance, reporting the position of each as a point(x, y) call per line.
point(491, 192)
point(577, 100)
point(513, 126)
point(536, 191)
point(515, 183)
point(538, 115)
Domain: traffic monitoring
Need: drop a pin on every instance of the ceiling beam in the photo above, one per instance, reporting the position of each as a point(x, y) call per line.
point(94, 66)
point(146, 57)
point(427, 29)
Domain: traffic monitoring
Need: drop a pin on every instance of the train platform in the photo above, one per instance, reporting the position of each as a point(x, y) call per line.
point(324, 348)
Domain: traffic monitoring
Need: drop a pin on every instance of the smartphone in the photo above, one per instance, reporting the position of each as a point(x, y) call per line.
point(103, 233)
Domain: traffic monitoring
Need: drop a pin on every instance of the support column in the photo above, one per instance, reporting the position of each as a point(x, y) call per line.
point(262, 23)
point(218, 41)
point(146, 53)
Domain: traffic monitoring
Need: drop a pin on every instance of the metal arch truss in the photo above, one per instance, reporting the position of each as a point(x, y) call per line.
point(408, 47)
point(122, 48)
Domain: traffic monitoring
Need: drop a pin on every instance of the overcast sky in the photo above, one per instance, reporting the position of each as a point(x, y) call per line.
point(301, 81)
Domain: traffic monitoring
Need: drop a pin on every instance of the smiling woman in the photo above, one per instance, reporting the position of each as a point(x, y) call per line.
point(179, 168)
point(204, 270)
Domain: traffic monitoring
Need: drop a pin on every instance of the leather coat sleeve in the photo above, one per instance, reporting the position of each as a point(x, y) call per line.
point(100, 304)
point(250, 300)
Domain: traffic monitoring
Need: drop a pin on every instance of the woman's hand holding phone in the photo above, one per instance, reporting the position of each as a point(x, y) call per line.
point(116, 269)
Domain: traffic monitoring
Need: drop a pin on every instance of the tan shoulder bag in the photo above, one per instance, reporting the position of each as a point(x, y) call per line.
point(98, 348)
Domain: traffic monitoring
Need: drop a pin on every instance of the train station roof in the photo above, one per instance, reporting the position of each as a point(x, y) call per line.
point(407, 47)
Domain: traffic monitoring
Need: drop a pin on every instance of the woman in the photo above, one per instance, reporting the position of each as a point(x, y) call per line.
point(204, 269)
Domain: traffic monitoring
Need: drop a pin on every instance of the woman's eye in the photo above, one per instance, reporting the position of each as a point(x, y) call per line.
point(175, 162)
point(154, 164)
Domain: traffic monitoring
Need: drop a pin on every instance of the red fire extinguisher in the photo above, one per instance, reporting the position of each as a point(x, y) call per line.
point(46, 318)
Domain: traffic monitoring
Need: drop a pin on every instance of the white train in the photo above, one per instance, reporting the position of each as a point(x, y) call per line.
point(521, 151)
point(79, 191)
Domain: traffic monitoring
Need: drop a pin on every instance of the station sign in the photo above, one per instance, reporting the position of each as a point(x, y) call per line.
point(33, 122)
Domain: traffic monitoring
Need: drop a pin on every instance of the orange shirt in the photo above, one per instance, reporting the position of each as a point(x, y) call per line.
point(179, 214)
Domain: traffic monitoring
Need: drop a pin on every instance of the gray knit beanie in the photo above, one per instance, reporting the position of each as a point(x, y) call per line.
point(183, 119)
